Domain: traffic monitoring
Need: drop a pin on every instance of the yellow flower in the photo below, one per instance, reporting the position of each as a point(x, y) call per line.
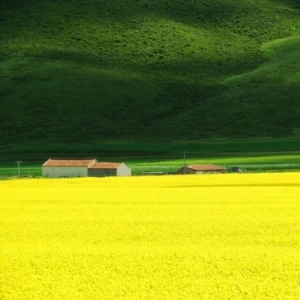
point(226, 236)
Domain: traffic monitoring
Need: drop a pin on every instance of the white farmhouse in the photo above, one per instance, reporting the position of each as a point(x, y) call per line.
point(83, 167)
point(66, 167)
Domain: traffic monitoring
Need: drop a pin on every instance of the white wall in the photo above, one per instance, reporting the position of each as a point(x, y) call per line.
point(123, 170)
point(64, 171)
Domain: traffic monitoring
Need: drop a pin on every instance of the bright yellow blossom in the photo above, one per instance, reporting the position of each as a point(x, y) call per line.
point(227, 236)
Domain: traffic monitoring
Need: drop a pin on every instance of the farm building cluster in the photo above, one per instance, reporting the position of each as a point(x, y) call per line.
point(83, 167)
point(56, 168)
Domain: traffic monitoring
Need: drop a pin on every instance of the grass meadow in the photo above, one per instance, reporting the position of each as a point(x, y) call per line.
point(227, 236)
point(254, 155)
point(81, 72)
point(164, 165)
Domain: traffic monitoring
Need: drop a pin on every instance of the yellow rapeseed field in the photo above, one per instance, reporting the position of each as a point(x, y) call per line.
point(229, 236)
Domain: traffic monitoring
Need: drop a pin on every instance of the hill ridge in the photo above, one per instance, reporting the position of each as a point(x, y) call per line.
point(159, 70)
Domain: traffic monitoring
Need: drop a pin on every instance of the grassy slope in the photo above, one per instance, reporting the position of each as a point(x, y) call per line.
point(74, 71)
point(258, 163)
point(271, 89)
point(143, 151)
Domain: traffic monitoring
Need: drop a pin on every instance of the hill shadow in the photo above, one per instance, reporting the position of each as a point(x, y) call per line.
point(78, 104)
point(196, 69)
point(193, 13)
point(81, 23)
point(290, 3)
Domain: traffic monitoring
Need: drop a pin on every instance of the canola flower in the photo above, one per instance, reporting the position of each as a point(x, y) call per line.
point(227, 236)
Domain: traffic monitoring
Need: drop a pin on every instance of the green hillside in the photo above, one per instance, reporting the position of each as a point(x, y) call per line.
point(94, 70)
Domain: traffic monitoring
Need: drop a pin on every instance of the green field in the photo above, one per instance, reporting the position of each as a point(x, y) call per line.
point(257, 155)
point(156, 166)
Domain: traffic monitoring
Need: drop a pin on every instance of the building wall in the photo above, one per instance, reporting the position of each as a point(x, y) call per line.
point(123, 170)
point(211, 172)
point(64, 171)
point(185, 170)
point(102, 172)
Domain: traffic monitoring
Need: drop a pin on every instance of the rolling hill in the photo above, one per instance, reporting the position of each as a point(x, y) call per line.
point(93, 70)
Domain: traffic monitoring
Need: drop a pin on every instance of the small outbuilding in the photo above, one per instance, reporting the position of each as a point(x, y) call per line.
point(202, 169)
point(237, 170)
point(66, 167)
point(103, 169)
